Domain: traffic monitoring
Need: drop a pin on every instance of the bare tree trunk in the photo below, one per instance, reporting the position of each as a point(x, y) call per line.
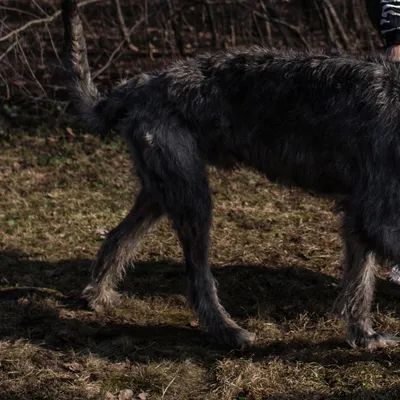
point(272, 12)
point(176, 24)
point(214, 31)
point(335, 22)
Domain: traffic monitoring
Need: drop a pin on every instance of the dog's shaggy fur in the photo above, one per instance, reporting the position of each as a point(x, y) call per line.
point(330, 124)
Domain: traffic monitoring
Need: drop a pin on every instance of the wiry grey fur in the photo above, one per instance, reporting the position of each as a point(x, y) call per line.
point(325, 123)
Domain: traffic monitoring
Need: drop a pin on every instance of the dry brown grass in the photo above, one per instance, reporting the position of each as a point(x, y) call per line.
point(275, 254)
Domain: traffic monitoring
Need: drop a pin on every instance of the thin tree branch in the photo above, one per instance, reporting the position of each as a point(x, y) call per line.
point(42, 20)
point(285, 24)
point(30, 69)
point(53, 46)
point(110, 60)
point(117, 49)
point(19, 11)
point(8, 50)
point(123, 27)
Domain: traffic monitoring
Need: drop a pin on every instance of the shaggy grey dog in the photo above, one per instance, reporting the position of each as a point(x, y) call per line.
point(329, 124)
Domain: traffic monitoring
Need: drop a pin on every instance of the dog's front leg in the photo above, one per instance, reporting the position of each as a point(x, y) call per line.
point(355, 299)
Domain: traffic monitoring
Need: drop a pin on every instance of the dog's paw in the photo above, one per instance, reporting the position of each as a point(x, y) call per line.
point(233, 336)
point(242, 339)
point(101, 300)
point(373, 341)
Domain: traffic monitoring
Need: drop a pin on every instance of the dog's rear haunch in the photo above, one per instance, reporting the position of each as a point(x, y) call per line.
point(327, 124)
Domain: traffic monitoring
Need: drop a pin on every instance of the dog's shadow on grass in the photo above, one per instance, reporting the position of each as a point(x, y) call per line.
point(40, 302)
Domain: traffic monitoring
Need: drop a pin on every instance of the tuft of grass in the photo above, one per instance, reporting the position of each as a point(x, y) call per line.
point(275, 253)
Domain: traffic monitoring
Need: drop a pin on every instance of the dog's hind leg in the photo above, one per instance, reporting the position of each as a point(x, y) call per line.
point(191, 215)
point(355, 300)
point(174, 170)
point(117, 250)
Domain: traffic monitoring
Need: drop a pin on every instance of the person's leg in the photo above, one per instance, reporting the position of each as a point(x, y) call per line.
point(385, 17)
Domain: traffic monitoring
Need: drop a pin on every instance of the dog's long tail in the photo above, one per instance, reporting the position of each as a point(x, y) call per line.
point(82, 91)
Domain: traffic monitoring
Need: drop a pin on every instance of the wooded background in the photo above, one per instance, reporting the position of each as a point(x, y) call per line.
point(126, 36)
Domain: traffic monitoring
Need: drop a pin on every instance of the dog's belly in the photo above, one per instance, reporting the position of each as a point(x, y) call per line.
point(315, 182)
point(318, 171)
point(286, 162)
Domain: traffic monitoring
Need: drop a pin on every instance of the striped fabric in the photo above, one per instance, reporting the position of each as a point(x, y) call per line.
point(385, 16)
point(390, 16)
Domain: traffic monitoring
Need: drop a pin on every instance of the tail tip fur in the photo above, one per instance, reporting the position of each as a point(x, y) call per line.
point(69, 10)
point(70, 7)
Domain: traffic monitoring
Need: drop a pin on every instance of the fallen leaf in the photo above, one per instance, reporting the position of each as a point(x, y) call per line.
point(125, 394)
point(74, 367)
point(19, 83)
point(70, 132)
point(92, 390)
point(102, 232)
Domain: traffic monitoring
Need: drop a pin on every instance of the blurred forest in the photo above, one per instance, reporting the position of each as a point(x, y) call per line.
point(125, 36)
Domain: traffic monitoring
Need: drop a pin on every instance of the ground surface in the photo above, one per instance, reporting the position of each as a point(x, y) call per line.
point(275, 254)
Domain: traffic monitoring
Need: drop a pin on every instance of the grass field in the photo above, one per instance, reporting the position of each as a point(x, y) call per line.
point(275, 253)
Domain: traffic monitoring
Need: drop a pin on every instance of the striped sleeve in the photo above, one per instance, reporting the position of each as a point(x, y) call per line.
point(390, 21)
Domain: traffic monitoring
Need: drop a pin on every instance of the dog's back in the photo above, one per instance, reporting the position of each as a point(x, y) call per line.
point(256, 106)
point(284, 113)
